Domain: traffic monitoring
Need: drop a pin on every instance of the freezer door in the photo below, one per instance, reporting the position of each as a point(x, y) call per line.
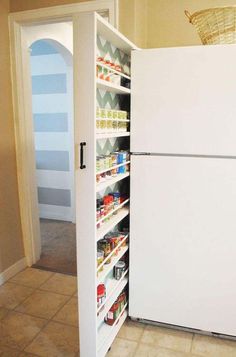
point(183, 242)
point(183, 100)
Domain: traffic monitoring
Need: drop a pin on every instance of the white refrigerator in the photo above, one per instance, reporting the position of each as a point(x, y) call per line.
point(183, 187)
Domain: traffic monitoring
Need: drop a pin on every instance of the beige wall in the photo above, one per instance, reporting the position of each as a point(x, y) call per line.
point(11, 248)
point(132, 15)
point(167, 24)
point(133, 20)
point(21, 5)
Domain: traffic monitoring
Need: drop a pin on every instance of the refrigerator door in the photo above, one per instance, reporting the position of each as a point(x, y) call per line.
point(183, 249)
point(183, 100)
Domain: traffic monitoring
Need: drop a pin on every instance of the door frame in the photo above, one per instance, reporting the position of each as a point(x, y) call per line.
point(22, 107)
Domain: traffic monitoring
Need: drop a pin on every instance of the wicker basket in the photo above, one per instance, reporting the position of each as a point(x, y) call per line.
point(216, 25)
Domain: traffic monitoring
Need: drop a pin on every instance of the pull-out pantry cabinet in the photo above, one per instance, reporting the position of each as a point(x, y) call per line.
point(102, 136)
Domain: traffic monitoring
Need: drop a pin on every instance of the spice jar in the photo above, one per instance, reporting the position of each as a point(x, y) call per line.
point(101, 294)
point(100, 258)
point(119, 269)
point(103, 124)
point(112, 314)
point(105, 246)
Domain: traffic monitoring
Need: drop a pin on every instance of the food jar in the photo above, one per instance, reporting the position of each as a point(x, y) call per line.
point(105, 246)
point(101, 294)
point(112, 314)
point(103, 122)
point(100, 258)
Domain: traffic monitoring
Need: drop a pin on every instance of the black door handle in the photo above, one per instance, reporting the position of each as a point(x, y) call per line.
point(82, 166)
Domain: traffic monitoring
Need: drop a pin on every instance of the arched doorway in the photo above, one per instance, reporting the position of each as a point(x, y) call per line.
point(52, 109)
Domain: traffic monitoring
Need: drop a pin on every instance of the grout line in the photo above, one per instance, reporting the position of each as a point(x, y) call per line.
point(191, 347)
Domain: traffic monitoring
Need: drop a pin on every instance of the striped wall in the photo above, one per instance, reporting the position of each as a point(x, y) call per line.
point(53, 129)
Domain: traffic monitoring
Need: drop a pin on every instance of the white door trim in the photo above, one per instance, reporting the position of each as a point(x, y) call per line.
point(22, 107)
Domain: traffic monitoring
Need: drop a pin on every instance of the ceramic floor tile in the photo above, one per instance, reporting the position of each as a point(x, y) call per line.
point(61, 284)
point(42, 304)
point(3, 312)
point(213, 347)
point(69, 313)
point(31, 277)
point(131, 330)
point(122, 348)
point(150, 351)
point(56, 340)
point(18, 330)
point(12, 295)
point(8, 352)
point(167, 338)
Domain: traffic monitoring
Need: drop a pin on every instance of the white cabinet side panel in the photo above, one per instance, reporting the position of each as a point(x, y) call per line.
point(183, 100)
point(182, 242)
point(85, 109)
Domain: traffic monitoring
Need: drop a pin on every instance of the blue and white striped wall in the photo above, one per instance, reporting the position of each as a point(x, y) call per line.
point(53, 129)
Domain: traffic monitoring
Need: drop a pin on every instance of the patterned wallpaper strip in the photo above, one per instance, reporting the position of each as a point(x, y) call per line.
point(107, 50)
point(49, 84)
point(51, 122)
point(52, 160)
point(53, 196)
point(49, 87)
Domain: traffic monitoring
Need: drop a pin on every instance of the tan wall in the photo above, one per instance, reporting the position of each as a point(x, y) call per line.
point(167, 24)
point(133, 20)
point(11, 248)
point(21, 5)
point(132, 17)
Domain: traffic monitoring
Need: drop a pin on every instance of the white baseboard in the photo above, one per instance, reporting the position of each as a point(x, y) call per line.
point(12, 270)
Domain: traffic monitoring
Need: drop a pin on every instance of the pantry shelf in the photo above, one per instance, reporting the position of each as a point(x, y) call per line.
point(112, 212)
point(107, 334)
point(115, 258)
point(114, 220)
point(114, 289)
point(113, 70)
point(101, 186)
point(112, 135)
point(111, 87)
point(112, 168)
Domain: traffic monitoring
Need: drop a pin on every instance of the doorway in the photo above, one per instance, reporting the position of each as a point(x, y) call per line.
point(51, 65)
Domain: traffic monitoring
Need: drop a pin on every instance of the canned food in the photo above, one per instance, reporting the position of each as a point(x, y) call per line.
point(105, 246)
point(119, 270)
point(115, 114)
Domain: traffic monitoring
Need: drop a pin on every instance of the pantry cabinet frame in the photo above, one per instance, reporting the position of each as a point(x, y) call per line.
point(22, 107)
point(95, 338)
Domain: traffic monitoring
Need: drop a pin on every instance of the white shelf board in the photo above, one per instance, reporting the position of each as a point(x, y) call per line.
point(112, 135)
point(101, 186)
point(112, 87)
point(108, 267)
point(110, 33)
point(98, 63)
point(114, 220)
point(108, 333)
point(114, 289)
point(112, 168)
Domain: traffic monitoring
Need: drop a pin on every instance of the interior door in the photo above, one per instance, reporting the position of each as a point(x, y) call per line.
point(183, 100)
point(182, 250)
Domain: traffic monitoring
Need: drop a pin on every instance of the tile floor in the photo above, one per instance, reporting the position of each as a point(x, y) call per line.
point(38, 308)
